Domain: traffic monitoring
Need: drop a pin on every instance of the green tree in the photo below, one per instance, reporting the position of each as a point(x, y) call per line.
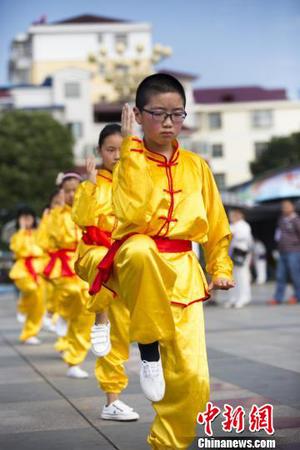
point(281, 152)
point(34, 147)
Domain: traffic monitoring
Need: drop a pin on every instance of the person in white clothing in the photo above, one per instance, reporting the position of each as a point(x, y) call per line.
point(260, 261)
point(240, 252)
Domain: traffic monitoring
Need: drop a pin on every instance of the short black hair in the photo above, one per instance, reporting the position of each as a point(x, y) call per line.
point(108, 130)
point(25, 210)
point(159, 83)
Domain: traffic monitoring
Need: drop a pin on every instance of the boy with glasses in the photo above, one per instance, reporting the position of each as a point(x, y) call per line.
point(164, 198)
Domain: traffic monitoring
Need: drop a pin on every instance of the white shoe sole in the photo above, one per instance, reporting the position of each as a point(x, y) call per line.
point(118, 418)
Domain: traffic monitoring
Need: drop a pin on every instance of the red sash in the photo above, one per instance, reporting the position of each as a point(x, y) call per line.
point(95, 236)
point(105, 266)
point(29, 266)
point(61, 254)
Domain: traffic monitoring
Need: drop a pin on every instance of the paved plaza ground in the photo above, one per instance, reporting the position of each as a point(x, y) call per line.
point(254, 358)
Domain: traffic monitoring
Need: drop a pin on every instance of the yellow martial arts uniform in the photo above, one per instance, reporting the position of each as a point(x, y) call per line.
point(44, 243)
point(26, 275)
point(92, 211)
point(164, 204)
point(70, 291)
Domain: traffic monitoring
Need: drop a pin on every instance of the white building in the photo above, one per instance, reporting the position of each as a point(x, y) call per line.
point(235, 124)
point(94, 43)
point(68, 66)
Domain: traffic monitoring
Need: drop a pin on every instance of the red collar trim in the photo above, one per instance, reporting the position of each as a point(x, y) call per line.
point(159, 158)
point(103, 173)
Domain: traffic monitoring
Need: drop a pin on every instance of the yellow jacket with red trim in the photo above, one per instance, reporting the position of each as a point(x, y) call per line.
point(24, 245)
point(177, 199)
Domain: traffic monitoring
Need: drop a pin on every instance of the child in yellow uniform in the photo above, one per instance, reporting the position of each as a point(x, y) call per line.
point(26, 274)
point(70, 291)
point(92, 211)
point(164, 198)
point(56, 199)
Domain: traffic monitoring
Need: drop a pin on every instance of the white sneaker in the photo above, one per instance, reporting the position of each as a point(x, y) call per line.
point(119, 411)
point(152, 380)
point(48, 325)
point(61, 327)
point(32, 341)
point(21, 317)
point(100, 339)
point(77, 372)
point(241, 304)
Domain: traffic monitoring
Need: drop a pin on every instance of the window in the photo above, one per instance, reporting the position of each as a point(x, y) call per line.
point(72, 89)
point(121, 38)
point(76, 129)
point(260, 147)
point(101, 68)
point(100, 38)
point(214, 120)
point(262, 118)
point(122, 69)
point(220, 180)
point(217, 150)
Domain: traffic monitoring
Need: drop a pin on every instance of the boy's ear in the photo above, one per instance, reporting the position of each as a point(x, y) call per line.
point(137, 115)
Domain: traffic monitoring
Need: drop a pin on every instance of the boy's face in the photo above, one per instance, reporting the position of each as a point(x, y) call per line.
point(156, 128)
point(69, 188)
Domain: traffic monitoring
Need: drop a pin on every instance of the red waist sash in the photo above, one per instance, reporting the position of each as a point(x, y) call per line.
point(29, 266)
point(62, 255)
point(105, 266)
point(95, 236)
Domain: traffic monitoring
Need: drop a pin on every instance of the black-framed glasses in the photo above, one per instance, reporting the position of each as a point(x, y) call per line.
point(161, 116)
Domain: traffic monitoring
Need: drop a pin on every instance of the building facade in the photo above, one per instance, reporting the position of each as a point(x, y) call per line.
point(82, 70)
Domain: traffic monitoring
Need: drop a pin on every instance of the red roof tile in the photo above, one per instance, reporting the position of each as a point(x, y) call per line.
point(238, 94)
point(88, 19)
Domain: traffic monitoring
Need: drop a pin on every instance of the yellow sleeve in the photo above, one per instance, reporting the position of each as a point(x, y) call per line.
point(54, 229)
point(218, 262)
point(132, 186)
point(42, 235)
point(22, 244)
point(87, 204)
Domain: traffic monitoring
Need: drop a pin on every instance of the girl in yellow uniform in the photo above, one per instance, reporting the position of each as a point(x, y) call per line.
point(164, 198)
point(56, 199)
point(70, 291)
point(26, 274)
point(92, 211)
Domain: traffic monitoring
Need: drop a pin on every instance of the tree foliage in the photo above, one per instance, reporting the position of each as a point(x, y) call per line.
point(281, 152)
point(34, 147)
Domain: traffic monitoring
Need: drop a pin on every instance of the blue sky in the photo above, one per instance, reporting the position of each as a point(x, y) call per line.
point(225, 42)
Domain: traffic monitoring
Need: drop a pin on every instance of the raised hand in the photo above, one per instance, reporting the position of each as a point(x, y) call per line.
point(127, 120)
point(91, 170)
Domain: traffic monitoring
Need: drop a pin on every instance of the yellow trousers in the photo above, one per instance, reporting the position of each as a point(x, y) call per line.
point(61, 344)
point(68, 293)
point(109, 370)
point(34, 306)
point(78, 337)
point(71, 296)
point(21, 305)
point(48, 291)
point(145, 278)
point(88, 257)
